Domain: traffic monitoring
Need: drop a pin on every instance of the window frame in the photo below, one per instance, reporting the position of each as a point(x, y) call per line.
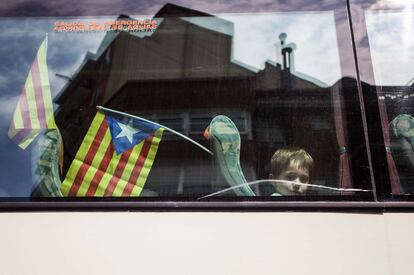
point(379, 175)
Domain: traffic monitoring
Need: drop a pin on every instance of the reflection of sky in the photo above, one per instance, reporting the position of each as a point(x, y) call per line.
point(19, 41)
point(392, 46)
point(392, 4)
point(111, 7)
point(316, 55)
point(255, 37)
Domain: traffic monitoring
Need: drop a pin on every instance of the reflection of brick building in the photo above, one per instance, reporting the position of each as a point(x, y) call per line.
point(183, 75)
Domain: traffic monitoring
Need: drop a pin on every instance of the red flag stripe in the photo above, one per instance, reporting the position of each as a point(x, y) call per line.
point(21, 135)
point(24, 110)
point(118, 173)
point(88, 158)
point(93, 186)
point(37, 87)
point(138, 167)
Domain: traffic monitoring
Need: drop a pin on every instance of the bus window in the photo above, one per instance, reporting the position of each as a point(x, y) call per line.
point(182, 100)
point(384, 48)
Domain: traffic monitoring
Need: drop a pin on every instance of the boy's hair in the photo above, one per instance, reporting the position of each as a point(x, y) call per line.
point(282, 158)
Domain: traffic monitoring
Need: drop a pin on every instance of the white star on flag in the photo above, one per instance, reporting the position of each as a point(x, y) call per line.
point(127, 131)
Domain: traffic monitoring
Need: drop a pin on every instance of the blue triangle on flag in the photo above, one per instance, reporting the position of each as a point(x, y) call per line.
point(127, 132)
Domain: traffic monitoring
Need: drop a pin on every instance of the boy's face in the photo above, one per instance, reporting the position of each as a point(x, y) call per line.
point(297, 176)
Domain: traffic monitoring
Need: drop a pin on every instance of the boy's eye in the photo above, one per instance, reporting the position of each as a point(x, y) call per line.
point(292, 177)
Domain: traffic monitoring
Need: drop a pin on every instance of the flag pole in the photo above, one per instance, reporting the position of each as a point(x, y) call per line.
point(166, 128)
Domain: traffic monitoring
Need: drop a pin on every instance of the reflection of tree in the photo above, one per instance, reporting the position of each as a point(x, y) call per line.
point(46, 161)
point(183, 75)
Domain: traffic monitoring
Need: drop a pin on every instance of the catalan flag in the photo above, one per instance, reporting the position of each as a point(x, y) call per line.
point(114, 159)
point(34, 110)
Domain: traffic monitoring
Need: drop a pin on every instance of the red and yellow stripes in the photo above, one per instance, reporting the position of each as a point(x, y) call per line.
point(34, 110)
point(98, 171)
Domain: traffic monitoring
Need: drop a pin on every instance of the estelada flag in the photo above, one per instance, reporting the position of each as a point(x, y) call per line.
point(114, 159)
point(34, 110)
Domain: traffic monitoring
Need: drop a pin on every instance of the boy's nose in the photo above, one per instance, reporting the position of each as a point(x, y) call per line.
point(296, 187)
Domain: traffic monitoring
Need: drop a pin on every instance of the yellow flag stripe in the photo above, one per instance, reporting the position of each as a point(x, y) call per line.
point(31, 102)
point(44, 78)
point(90, 136)
point(81, 154)
point(103, 184)
point(136, 191)
point(100, 191)
point(136, 151)
point(70, 176)
point(117, 178)
point(150, 158)
point(102, 169)
point(35, 100)
point(17, 117)
point(148, 163)
point(95, 164)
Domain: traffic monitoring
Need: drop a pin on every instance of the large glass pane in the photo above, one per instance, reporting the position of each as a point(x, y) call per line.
point(385, 50)
point(181, 100)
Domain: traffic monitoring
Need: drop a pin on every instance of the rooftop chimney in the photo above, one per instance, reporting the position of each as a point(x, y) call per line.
point(287, 53)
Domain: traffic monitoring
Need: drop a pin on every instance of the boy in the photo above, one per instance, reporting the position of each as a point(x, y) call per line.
point(292, 165)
